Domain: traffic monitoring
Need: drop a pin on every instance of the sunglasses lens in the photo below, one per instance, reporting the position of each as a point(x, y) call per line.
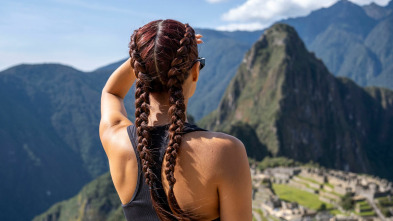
point(202, 63)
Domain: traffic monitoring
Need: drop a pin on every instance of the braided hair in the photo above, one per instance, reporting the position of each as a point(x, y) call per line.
point(162, 53)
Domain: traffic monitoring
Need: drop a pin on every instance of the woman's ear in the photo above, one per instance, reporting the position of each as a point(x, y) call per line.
point(195, 71)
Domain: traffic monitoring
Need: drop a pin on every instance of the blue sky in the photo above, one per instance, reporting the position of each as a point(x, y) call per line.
point(88, 34)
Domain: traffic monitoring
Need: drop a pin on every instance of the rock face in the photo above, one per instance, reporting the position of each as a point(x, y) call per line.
point(299, 110)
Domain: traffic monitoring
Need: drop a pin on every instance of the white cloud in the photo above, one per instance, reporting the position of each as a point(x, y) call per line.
point(215, 1)
point(262, 13)
point(242, 27)
point(272, 10)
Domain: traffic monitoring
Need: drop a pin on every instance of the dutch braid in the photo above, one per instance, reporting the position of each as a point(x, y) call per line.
point(142, 111)
point(161, 63)
point(176, 77)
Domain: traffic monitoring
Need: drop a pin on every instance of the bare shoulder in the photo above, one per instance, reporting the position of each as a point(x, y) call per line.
point(229, 142)
point(219, 148)
point(222, 143)
point(230, 151)
point(231, 174)
point(220, 139)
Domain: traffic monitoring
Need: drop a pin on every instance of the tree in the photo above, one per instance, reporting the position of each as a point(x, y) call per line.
point(347, 202)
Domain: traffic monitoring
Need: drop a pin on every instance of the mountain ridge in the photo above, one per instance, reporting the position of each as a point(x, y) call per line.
point(345, 36)
point(302, 110)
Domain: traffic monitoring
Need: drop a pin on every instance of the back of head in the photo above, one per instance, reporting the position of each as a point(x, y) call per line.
point(162, 53)
point(161, 50)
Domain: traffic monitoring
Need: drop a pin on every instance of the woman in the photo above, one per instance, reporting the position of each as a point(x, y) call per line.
point(146, 160)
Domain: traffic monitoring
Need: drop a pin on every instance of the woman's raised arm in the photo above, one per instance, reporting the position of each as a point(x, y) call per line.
point(113, 112)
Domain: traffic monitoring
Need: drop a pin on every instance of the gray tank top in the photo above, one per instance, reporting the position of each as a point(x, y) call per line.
point(140, 207)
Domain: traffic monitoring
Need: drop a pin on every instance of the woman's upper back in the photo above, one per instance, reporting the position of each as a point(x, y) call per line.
point(207, 173)
point(212, 173)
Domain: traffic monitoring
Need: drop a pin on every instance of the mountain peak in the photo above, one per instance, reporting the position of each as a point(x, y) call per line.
point(376, 11)
point(345, 6)
point(280, 39)
point(281, 32)
point(390, 5)
point(344, 2)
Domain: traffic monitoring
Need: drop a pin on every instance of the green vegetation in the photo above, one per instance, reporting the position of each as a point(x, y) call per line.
point(98, 200)
point(244, 132)
point(364, 205)
point(309, 179)
point(269, 162)
point(384, 201)
point(367, 213)
point(335, 212)
point(365, 208)
point(322, 207)
point(334, 193)
point(304, 198)
point(347, 202)
point(263, 217)
point(384, 204)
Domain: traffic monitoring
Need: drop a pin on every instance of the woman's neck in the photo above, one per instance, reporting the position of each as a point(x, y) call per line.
point(159, 108)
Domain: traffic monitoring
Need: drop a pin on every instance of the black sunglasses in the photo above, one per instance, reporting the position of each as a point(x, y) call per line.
point(201, 63)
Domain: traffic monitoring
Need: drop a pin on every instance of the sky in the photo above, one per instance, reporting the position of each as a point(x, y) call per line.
point(87, 34)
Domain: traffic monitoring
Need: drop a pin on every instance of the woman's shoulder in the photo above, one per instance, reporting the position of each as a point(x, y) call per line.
point(219, 139)
point(217, 146)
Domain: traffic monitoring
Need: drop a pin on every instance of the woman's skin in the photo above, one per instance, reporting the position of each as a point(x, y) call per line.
point(212, 172)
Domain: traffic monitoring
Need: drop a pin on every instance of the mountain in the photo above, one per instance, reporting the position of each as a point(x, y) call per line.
point(98, 200)
point(110, 67)
point(376, 12)
point(223, 52)
point(49, 136)
point(353, 41)
point(299, 110)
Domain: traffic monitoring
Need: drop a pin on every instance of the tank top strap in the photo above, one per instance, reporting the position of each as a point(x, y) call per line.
point(188, 127)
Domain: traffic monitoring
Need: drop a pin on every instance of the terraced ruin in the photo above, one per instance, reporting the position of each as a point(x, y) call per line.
point(294, 193)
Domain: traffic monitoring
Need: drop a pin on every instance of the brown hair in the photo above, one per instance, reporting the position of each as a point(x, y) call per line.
point(162, 53)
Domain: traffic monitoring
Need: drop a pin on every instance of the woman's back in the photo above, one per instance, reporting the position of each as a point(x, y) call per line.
point(208, 164)
point(204, 174)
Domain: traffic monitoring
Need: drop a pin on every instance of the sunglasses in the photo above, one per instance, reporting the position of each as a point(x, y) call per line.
point(201, 63)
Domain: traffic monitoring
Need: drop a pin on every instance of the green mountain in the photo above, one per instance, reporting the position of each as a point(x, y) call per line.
point(353, 41)
point(223, 52)
point(49, 136)
point(97, 201)
point(299, 110)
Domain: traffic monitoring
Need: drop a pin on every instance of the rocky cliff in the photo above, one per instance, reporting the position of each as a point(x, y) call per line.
point(299, 110)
